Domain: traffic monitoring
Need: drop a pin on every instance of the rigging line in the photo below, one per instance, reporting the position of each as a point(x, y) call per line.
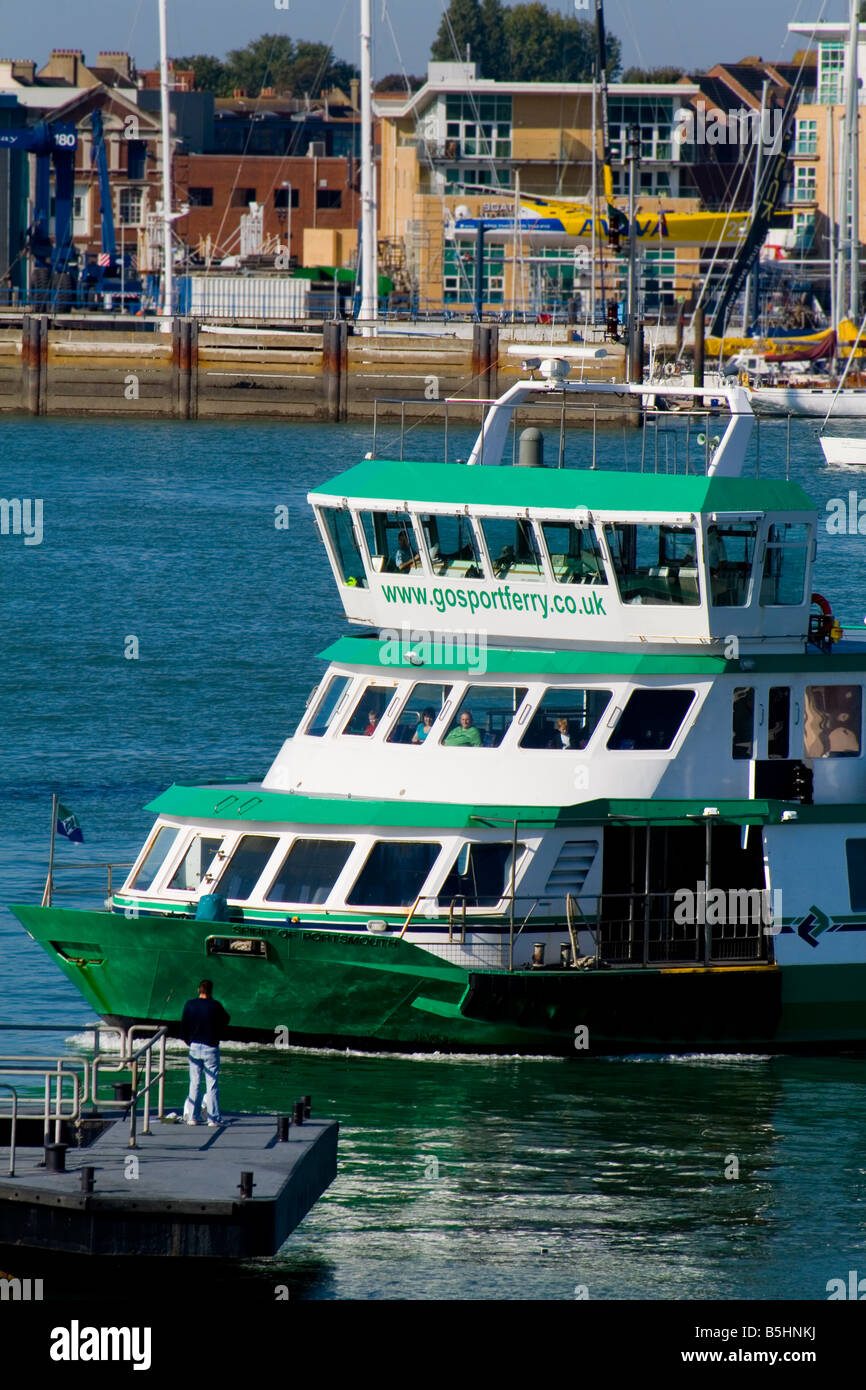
point(625, 7)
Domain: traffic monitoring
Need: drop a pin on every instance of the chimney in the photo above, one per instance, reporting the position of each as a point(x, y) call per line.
point(239, 93)
point(64, 63)
point(23, 69)
point(111, 59)
point(268, 92)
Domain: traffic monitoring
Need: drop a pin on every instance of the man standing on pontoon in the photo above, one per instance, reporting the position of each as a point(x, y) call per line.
point(203, 1026)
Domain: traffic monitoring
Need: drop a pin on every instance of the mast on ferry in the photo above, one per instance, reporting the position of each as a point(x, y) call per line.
point(168, 265)
point(368, 309)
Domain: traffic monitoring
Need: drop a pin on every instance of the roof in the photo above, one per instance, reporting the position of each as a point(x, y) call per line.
point(560, 488)
point(220, 803)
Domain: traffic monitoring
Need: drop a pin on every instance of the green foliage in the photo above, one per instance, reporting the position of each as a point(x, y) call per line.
point(396, 82)
point(661, 74)
point(522, 43)
point(273, 60)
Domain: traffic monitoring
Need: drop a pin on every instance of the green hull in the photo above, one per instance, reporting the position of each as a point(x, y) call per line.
point(325, 988)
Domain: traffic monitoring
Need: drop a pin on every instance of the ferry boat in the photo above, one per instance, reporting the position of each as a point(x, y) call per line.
point(589, 779)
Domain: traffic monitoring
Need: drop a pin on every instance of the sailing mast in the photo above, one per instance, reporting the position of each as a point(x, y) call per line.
point(165, 119)
point(368, 310)
point(852, 116)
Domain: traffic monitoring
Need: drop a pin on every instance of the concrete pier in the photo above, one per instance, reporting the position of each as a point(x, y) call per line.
point(177, 1193)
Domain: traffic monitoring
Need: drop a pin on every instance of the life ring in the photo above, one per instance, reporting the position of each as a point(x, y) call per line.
point(821, 627)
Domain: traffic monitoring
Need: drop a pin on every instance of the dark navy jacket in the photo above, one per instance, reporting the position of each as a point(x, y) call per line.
point(204, 1021)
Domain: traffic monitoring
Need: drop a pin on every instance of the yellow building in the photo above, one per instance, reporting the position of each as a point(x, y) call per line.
point(462, 147)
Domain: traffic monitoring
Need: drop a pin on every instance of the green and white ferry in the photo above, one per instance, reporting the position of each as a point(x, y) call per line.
point(589, 779)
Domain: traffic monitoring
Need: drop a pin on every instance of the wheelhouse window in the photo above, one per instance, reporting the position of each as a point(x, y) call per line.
point(394, 873)
point(730, 552)
point(420, 712)
point(484, 716)
point(392, 542)
point(188, 876)
point(785, 564)
point(246, 866)
point(329, 705)
point(832, 721)
point(350, 567)
point(654, 564)
point(512, 548)
point(779, 721)
point(309, 871)
point(155, 857)
point(743, 723)
point(565, 718)
point(480, 875)
point(452, 546)
point(651, 720)
point(574, 553)
point(369, 708)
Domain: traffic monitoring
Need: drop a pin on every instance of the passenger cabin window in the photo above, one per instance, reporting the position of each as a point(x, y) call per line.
point(350, 566)
point(329, 706)
point(512, 548)
point(785, 564)
point(743, 723)
point(420, 712)
point(452, 546)
point(651, 719)
point(730, 552)
point(309, 871)
point(831, 722)
point(654, 564)
point(565, 719)
point(574, 553)
point(778, 721)
point(246, 866)
point(855, 854)
point(480, 876)
point(188, 875)
point(391, 541)
point(484, 716)
point(394, 873)
point(369, 708)
point(155, 857)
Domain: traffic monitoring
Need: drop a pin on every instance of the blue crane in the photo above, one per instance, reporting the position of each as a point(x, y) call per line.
point(53, 260)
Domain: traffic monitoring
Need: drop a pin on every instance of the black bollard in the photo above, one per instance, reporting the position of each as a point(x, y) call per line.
point(298, 1113)
point(282, 1128)
point(87, 1179)
point(123, 1090)
point(55, 1158)
point(246, 1184)
point(308, 1106)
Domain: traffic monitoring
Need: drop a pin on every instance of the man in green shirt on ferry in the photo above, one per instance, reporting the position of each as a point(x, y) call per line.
point(466, 735)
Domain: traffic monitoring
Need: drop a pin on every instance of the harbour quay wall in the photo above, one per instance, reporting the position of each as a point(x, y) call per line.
point(200, 370)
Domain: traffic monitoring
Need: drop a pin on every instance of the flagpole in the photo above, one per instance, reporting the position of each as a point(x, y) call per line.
point(46, 896)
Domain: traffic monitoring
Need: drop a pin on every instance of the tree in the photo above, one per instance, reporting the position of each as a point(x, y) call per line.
point(496, 59)
point(548, 47)
point(265, 62)
point(211, 75)
point(461, 24)
point(661, 74)
point(396, 82)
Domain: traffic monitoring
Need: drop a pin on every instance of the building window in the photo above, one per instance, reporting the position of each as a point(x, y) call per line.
point(129, 206)
point(831, 67)
point(136, 154)
point(659, 284)
point(329, 198)
point(469, 177)
point(480, 125)
point(200, 197)
point(242, 197)
point(459, 275)
point(654, 118)
point(281, 197)
point(807, 137)
point(804, 183)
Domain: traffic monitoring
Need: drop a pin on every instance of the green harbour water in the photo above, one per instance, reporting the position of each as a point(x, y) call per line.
point(459, 1177)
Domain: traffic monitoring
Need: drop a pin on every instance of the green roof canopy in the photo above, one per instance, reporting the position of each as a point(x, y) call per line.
point(569, 488)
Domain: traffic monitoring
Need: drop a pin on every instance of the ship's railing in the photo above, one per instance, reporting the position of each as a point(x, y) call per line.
point(52, 890)
point(655, 928)
point(680, 441)
point(13, 1129)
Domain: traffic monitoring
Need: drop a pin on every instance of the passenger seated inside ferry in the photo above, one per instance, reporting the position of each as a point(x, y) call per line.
point(565, 714)
point(369, 708)
point(391, 541)
point(418, 715)
point(485, 716)
point(654, 564)
point(452, 545)
point(574, 554)
point(512, 548)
